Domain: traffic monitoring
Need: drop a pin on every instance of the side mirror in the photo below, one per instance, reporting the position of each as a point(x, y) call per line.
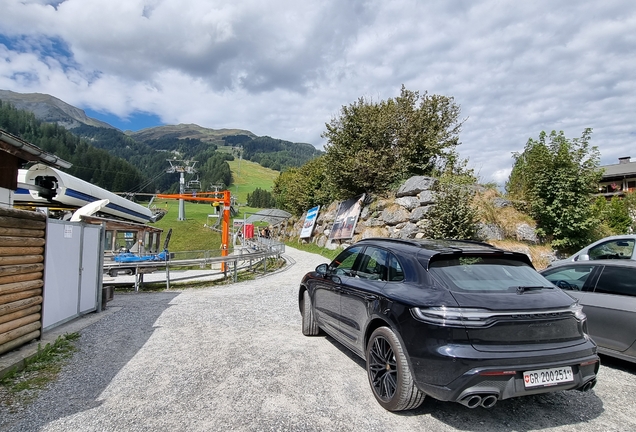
point(584, 257)
point(322, 269)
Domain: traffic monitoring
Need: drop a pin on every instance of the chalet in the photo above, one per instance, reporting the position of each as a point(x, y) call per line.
point(619, 178)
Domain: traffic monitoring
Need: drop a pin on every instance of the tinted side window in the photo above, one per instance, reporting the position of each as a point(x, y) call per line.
point(617, 280)
point(569, 277)
point(615, 249)
point(346, 260)
point(374, 264)
point(396, 274)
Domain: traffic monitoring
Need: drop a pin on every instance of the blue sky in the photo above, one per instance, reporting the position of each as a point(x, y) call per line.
point(134, 121)
point(285, 68)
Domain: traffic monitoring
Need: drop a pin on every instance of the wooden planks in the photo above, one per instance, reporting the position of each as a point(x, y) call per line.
point(22, 242)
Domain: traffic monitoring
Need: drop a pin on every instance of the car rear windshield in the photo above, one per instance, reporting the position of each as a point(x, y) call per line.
point(485, 274)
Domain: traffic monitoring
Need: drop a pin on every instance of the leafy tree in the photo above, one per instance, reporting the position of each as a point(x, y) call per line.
point(614, 214)
point(372, 146)
point(630, 204)
point(555, 178)
point(299, 189)
point(453, 216)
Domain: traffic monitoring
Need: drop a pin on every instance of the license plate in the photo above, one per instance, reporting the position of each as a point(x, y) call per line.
point(547, 377)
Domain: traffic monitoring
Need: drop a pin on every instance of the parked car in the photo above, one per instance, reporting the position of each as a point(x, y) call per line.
point(613, 247)
point(454, 320)
point(607, 291)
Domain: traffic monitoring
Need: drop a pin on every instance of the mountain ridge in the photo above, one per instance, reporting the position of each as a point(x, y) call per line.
point(188, 130)
point(51, 109)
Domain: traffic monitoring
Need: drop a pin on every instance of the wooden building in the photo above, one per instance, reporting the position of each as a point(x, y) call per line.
point(618, 179)
point(22, 243)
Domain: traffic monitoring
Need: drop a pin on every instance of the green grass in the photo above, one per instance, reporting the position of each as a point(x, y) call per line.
point(21, 385)
point(191, 234)
point(313, 248)
point(250, 176)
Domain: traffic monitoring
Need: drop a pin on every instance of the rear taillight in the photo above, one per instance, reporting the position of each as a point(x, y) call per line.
point(476, 318)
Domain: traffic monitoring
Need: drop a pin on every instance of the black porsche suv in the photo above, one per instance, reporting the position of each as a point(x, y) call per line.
point(455, 320)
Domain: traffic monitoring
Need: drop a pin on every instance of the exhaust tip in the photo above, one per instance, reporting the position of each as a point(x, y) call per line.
point(472, 401)
point(489, 401)
point(588, 385)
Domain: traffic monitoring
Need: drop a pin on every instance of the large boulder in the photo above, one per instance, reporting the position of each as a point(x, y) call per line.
point(409, 230)
point(489, 232)
point(408, 202)
point(415, 185)
point(419, 213)
point(394, 215)
point(375, 232)
point(426, 197)
point(372, 222)
point(501, 202)
point(526, 233)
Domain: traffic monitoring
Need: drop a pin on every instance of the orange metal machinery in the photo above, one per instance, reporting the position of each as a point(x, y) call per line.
point(212, 197)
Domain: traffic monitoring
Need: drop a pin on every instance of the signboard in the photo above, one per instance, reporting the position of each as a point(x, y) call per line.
point(346, 219)
point(310, 222)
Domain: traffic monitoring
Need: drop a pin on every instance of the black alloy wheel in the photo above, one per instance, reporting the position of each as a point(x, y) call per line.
point(389, 374)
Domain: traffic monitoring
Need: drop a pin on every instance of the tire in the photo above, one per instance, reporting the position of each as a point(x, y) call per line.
point(310, 326)
point(389, 374)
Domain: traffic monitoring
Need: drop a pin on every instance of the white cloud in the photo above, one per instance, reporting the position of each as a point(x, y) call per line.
point(284, 68)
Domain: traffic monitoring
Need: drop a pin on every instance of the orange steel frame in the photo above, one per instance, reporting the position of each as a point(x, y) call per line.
point(220, 197)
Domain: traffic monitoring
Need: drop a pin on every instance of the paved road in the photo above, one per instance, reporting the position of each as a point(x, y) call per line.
point(233, 358)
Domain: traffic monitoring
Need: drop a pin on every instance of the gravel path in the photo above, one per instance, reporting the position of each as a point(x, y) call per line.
point(233, 358)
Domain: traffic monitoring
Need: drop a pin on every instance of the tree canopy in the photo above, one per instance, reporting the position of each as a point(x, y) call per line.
point(260, 198)
point(554, 179)
point(298, 189)
point(372, 146)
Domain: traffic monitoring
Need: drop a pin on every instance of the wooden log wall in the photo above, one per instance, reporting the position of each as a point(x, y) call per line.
point(21, 277)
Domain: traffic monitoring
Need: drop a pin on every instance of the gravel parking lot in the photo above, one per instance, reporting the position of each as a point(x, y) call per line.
point(233, 357)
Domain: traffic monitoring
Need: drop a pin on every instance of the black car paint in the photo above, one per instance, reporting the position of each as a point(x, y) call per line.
point(451, 358)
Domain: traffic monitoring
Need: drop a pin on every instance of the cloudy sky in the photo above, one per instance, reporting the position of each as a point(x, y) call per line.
point(284, 68)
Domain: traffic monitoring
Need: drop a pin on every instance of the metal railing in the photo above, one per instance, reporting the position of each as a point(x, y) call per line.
point(247, 257)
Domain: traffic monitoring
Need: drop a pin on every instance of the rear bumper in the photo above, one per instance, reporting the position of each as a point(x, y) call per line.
point(502, 376)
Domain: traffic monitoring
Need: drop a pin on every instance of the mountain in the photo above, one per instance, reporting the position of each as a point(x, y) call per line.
point(144, 148)
point(191, 131)
point(50, 109)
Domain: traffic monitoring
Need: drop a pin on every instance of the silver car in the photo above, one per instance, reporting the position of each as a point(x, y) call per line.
point(607, 291)
point(613, 247)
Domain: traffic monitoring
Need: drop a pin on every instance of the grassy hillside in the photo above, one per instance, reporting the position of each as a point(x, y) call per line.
point(191, 234)
point(250, 176)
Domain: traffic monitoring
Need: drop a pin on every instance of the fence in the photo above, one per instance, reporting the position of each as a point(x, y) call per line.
point(246, 257)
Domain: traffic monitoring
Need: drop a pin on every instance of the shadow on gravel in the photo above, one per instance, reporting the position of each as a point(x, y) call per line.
point(524, 414)
point(104, 348)
point(618, 364)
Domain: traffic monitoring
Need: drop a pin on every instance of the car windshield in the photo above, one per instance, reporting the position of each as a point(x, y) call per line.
point(486, 274)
